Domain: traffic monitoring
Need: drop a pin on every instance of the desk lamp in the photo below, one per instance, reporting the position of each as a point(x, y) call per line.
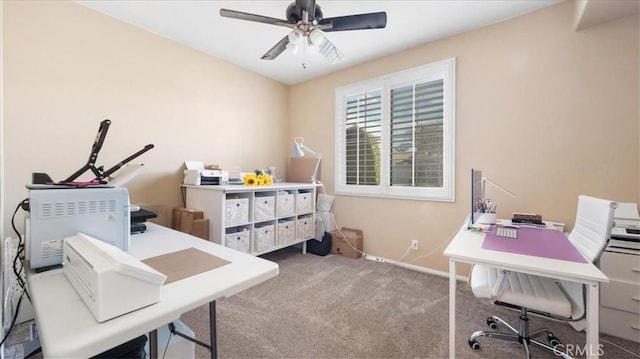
point(485, 180)
point(298, 151)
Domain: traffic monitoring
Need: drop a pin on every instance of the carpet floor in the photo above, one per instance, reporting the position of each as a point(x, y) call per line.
point(337, 307)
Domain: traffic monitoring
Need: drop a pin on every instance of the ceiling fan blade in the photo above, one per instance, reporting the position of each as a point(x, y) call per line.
point(374, 20)
point(255, 18)
point(277, 49)
point(330, 52)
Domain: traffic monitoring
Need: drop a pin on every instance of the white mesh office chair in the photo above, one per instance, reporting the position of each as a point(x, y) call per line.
point(549, 297)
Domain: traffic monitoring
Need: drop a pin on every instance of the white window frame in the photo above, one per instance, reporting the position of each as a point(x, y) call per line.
point(445, 70)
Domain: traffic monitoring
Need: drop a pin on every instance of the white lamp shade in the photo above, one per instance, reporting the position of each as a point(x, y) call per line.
point(297, 151)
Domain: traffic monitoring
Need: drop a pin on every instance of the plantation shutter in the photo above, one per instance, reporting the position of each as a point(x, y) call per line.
point(417, 115)
point(395, 134)
point(363, 130)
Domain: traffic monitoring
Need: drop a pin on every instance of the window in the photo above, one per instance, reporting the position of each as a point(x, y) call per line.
point(395, 134)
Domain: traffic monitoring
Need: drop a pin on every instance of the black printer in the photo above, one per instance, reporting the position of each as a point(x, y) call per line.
point(139, 218)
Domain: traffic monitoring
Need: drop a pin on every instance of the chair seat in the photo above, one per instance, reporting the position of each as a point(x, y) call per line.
point(524, 290)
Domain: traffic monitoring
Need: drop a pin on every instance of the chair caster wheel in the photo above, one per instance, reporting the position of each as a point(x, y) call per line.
point(492, 323)
point(553, 341)
point(474, 344)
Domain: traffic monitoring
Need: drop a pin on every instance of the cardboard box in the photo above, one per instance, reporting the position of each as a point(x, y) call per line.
point(176, 216)
point(190, 221)
point(182, 218)
point(339, 245)
point(200, 228)
point(187, 218)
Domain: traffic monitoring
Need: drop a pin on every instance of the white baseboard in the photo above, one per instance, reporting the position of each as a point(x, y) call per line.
point(413, 267)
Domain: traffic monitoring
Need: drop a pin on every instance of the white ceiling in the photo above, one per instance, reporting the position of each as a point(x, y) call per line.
point(409, 23)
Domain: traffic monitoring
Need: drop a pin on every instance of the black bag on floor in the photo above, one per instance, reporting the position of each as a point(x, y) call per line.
point(321, 248)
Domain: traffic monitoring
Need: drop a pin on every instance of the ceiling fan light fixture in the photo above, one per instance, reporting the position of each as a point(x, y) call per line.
point(316, 38)
point(295, 37)
point(293, 48)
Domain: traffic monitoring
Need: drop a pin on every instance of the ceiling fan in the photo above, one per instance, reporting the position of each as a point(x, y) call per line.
point(305, 19)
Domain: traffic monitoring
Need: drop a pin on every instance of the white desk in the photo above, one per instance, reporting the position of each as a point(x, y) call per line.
point(67, 328)
point(466, 247)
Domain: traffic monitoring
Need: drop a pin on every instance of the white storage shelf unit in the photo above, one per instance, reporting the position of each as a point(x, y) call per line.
point(257, 219)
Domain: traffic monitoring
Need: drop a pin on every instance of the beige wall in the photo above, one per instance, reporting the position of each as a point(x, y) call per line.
point(66, 68)
point(544, 111)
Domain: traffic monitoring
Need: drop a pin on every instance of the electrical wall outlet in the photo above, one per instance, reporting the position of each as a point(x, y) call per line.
point(414, 244)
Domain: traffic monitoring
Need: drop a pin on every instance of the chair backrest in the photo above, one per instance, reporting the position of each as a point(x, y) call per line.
point(594, 221)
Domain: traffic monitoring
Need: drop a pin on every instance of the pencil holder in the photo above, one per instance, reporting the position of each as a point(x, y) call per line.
point(487, 218)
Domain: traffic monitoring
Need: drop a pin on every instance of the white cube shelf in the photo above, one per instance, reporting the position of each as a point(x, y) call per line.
point(257, 219)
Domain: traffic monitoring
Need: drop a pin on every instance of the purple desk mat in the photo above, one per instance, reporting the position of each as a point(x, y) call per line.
point(538, 242)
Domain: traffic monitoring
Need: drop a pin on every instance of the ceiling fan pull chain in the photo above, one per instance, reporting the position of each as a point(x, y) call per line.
point(304, 54)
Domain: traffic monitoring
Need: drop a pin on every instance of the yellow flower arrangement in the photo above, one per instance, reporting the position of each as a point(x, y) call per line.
point(250, 179)
point(259, 178)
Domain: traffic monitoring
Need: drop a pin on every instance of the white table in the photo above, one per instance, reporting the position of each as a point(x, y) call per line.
point(67, 329)
point(466, 247)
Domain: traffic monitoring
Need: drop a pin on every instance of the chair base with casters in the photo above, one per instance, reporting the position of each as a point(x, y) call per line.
point(515, 289)
point(521, 335)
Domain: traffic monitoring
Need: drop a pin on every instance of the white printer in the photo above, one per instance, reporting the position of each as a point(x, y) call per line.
point(56, 213)
point(625, 233)
point(109, 281)
point(197, 175)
